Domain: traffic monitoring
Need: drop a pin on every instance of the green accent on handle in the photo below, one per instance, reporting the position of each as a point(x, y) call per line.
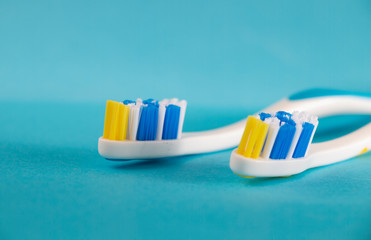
point(322, 92)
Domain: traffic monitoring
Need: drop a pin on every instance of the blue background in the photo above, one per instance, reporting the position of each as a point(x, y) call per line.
point(60, 61)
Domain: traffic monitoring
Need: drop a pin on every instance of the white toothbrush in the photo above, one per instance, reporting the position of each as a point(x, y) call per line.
point(318, 102)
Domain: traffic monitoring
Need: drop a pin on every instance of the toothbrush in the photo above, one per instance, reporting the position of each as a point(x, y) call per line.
point(286, 139)
point(320, 102)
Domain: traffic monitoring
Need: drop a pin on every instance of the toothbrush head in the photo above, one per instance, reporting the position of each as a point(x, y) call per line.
point(273, 144)
point(146, 120)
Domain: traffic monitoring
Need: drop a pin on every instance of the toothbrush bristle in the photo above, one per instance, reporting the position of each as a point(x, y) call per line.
point(148, 123)
point(122, 120)
point(144, 120)
point(160, 122)
point(183, 105)
point(283, 141)
point(171, 122)
point(253, 137)
point(110, 120)
point(305, 138)
point(277, 136)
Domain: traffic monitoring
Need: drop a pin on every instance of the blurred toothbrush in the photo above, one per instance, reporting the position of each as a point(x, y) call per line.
point(276, 145)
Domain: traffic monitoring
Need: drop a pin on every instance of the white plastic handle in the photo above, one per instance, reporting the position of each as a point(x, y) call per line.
point(342, 148)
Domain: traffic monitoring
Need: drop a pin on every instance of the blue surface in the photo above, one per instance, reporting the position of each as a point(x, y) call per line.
point(60, 61)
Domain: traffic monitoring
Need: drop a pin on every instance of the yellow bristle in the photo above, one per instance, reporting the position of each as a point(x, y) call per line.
point(250, 125)
point(115, 120)
point(120, 122)
point(262, 134)
point(110, 120)
point(252, 140)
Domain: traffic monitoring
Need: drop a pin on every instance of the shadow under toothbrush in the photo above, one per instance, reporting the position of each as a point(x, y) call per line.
point(209, 168)
point(162, 162)
point(151, 163)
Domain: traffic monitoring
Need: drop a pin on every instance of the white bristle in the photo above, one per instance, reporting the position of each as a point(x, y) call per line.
point(313, 120)
point(173, 101)
point(139, 101)
point(297, 117)
point(274, 126)
point(130, 105)
point(134, 120)
point(161, 119)
point(183, 106)
point(165, 102)
point(268, 120)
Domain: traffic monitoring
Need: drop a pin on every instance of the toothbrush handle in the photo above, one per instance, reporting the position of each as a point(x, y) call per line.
point(323, 92)
point(313, 101)
point(326, 102)
point(346, 147)
point(318, 102)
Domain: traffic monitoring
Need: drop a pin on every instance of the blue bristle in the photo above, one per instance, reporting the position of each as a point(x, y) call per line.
point(283, 141)
point(142, 124)
point(148, 123)
point(283, 116)
point(150, 101)
point(291, 122)
point(171, 122)
point(303, 142)
point(263, 116)
point(154, 123)
point(283, 113)
point(127, 101)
